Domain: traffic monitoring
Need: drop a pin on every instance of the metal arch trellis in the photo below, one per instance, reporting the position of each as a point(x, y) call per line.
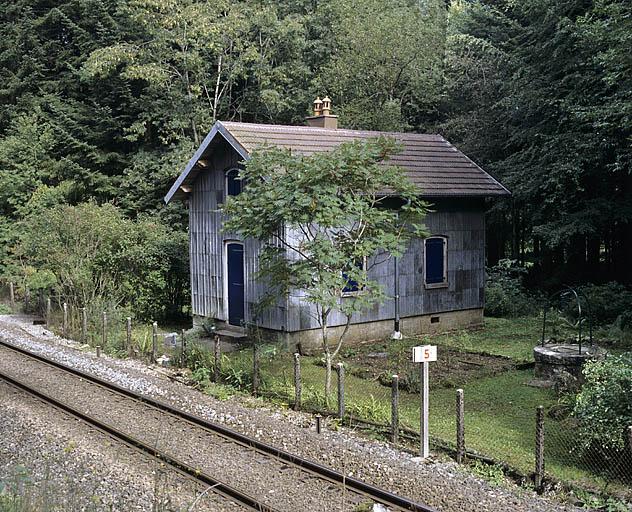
point(567, 291)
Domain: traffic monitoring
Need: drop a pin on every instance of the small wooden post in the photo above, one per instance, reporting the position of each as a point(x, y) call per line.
point(217, 354)
point(49, 307)
point(460, 426)
point(154, 341)
point(255, 369)
point(12, 294)
point(297, 381)
point(539, 448)
point(395, 409)
point(27, 299)
point(128, 335)
point(341, 390)
point(183, 353)
point(318, 418)
point(64, 325)
point(104, 333)
point(84, 325)
point(98, 351)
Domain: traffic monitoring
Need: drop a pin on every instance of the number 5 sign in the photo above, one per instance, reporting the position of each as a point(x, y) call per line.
point(424, 355)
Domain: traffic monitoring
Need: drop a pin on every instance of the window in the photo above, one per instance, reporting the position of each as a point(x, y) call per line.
point(233, 182)
point(352, 287)
point(435, 272)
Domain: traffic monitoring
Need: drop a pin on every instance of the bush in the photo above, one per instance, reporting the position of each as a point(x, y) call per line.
point(505, 295)
point(603, 408)
point(93, 254)
point(610, 303)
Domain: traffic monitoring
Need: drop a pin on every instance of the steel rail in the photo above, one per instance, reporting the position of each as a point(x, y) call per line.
point(359, 486)
point(217, 486)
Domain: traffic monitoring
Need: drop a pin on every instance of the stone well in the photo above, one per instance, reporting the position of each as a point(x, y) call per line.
point(553, 358)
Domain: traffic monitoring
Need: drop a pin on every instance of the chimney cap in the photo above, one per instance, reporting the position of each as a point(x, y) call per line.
point(318, 109)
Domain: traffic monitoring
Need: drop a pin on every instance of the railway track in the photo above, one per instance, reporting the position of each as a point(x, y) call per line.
point(313, 469)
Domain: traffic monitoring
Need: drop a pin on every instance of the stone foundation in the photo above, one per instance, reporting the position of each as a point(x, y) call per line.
point(553, 359)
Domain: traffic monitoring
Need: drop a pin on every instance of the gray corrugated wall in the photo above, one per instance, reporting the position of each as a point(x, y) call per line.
point(207, 248)
point(465, 230)
point(462, 221)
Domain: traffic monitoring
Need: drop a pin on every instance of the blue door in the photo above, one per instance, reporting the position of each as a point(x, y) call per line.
point(235, 266)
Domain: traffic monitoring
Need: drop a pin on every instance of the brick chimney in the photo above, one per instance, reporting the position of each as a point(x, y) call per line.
point(322, 117)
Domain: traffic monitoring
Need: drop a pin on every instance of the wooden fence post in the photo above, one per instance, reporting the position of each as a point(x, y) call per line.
point(104, 333)
point(539, 448)
point(84, 325)
point(460, 426)
point(217, 354)
point(395, 409)
point(128, 335)
point(255, 369)
point(183, 353)
point(154, 341)
point(341, 390)
point(98, 351)
point(49, 308)
point(12, 294)
point(64, 324)
point(297, 381)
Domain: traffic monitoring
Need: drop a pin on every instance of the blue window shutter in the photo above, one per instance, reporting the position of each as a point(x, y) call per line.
point(434, 260)
point(233, 183)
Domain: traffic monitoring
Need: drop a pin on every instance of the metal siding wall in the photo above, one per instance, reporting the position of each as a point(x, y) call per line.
point(466, 273)
point(465, 230)
point(207, 248)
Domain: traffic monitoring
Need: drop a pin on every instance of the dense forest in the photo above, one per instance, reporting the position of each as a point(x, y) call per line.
point(102, 101)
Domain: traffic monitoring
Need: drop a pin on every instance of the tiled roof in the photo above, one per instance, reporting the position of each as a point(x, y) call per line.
point(430, 161)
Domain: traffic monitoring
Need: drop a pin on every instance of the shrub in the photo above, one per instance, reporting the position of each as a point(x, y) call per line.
point(609, 304)
point(603, 408)
point(505, 295)
point(90, 253)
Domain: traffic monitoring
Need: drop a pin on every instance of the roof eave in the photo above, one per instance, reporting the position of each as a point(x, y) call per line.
point(218, 128)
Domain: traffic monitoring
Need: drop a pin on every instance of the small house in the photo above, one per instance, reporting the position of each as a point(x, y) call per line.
point(438, 284)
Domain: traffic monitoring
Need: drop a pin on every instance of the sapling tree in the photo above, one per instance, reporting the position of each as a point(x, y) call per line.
point(325, 221)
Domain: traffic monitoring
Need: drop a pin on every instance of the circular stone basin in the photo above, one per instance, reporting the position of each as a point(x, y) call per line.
point(550, 359)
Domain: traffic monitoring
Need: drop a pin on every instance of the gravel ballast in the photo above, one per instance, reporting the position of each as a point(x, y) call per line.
point(443, 485)
point(56, 463)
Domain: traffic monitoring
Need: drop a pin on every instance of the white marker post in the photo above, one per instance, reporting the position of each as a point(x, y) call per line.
point(424, 354)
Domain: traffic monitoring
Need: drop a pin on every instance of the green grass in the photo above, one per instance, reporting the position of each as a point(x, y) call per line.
point(510, 337)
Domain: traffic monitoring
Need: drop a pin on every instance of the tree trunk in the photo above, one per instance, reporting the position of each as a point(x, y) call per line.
point(327, 378)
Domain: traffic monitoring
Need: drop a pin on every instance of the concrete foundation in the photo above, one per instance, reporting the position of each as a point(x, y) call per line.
point(409, 326)
point(310, 339)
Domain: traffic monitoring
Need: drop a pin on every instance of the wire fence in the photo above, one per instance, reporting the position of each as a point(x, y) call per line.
point(499, 426)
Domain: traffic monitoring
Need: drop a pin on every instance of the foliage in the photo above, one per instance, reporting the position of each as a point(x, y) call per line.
point(492, 473)
point(551, 82)
point(94, 257)
point(320, 218)
point(609, 303)
point(385, 72)
point(603, 408)
point(505, 295)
